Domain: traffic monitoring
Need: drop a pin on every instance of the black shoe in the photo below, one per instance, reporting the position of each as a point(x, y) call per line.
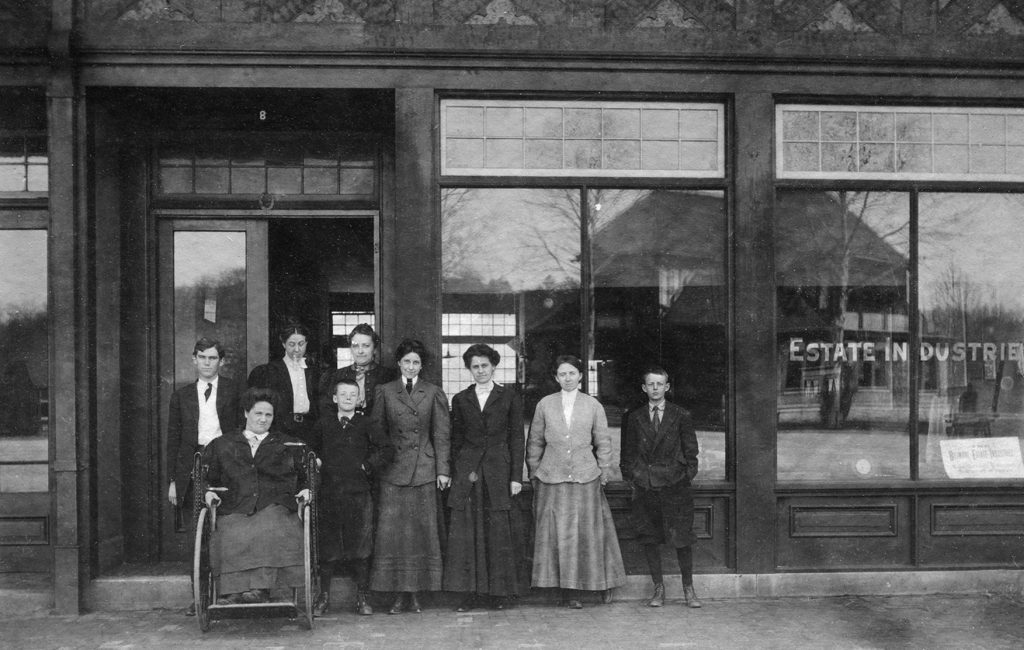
point(690, 596)
point(498, 602)
point(230, 599)
point(363, 607)
point(398, 606)
point(658, 599)
point(574, 603)
point(191, 609)
point(255, 596)
point(414, 603)
point(467, 603)
point(322, 604)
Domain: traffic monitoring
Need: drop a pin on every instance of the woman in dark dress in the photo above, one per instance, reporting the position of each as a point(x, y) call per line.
point(295, 382)
point(413, 415)
point(365, 370)
point(484, 536)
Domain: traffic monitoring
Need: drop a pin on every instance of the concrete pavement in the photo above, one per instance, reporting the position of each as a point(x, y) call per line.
point(932, 621)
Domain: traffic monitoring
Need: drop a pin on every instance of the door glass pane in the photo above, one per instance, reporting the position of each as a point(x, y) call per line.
point(658, 270)
point(24, 362)
point(971, 390)
point(511, 279)
point(841, 264)
point(209, 299)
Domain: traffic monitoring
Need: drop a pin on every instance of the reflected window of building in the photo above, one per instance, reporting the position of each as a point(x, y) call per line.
point(24, 161)
point(24, 362)
point(210, 299)
point(841, 265)
point(971, 328)
point(621, 278)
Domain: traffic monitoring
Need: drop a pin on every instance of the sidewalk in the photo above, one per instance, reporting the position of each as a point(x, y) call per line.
point(938, 621)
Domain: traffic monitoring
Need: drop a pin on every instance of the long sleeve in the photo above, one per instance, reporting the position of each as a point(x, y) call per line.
point(602, 442)
point(688, 443)
point(515, 438)
point(380, 452)
point(458, 437)
point(535, 442)
point(440, 427)
point(174, 438)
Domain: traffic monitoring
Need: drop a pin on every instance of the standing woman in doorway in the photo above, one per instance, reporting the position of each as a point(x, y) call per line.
point(484, 538)
point(569, 454)
point(413, 414)
point(365, 370)
point(294, 381)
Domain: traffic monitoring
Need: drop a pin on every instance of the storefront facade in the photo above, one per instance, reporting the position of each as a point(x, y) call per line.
point(809, 213)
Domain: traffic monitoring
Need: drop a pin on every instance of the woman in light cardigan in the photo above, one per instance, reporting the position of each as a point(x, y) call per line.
point(568, 453)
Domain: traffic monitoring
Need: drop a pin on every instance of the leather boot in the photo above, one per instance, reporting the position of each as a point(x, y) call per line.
point(322, 604)
point(363, 604)
point(658, 599)
point(399, 605)
point(414, 603)
point(690, 596)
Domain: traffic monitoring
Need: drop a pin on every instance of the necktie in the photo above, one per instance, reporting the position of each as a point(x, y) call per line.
point(655, 419)
point(208, 392)
point(344, 421)
point(408, 386)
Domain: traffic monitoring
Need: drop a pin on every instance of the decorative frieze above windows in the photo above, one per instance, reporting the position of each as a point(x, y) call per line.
point(899, 143)
point(568, 138)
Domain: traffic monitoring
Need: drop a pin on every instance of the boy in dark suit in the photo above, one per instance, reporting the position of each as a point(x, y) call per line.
point(659, 458)
point(352, 452)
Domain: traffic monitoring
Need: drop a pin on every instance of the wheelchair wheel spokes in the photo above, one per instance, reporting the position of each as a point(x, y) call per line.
point(202, 578)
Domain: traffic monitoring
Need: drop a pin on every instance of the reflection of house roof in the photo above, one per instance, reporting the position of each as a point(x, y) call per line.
point(812, 227)
point(664, 229)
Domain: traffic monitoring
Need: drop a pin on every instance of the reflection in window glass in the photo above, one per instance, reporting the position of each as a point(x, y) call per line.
point(511, 273)
point(24, 362)
point(209, 299)
point(841, 263)
point(659, 297)
point(972, 328)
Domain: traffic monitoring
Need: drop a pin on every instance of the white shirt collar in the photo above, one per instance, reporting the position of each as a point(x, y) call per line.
point(485, 388)
point(250, 436)
point(203, 382)
point(294, 365)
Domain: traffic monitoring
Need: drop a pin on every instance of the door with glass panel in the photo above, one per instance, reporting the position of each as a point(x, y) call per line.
point(213, 284)
point(26, 524)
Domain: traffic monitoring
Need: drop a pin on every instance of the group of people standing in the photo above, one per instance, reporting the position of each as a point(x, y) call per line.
point(394, 456)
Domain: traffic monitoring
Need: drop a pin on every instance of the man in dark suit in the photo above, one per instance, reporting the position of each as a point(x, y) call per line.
point(199, 412)
point(295, 383)
point(659, 458)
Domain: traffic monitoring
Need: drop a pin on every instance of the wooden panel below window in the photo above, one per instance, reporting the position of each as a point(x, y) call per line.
point(971, 530)
point(829, 533)
point(24, 530)
point(981, 519)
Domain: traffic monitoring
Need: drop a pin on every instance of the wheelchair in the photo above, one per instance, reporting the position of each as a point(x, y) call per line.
point(204, 585)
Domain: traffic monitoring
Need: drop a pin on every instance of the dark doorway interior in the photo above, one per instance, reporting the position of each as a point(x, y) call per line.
point(318, 267)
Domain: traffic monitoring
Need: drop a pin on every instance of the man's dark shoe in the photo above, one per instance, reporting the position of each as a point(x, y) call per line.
point(322, 604)
point(658, 599)
point(414, 603)
point(690, 596)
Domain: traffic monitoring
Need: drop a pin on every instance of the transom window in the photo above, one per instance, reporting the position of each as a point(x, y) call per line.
point(567, 138)
point(906, 143)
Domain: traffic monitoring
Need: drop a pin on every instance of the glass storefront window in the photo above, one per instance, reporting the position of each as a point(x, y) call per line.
point(971, 296)
point(842, 262)
point(209, 299)
point(24, 362)
point(520, 266)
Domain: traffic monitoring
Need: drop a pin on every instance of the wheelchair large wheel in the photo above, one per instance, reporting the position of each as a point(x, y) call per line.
point(202, 575)
point(307, 552)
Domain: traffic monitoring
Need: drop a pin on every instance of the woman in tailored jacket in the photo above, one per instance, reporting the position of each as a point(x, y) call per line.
point(413, 415)
point(485, 532)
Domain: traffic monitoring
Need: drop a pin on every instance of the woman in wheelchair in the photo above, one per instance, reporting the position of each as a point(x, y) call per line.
point(257, 480)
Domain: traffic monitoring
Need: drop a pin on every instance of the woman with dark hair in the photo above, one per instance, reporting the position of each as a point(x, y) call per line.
point(484, 536)
point(294, 381)
point(257, 477)
point(569, 454)
point(413, 414)
point(365, 370)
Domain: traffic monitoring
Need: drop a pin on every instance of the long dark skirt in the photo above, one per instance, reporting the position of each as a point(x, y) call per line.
point(259, 551)
point(575, 544)
point(407, 546)
point(484, 548)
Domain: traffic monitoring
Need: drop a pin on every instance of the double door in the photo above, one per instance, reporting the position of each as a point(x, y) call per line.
point(238, 280)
